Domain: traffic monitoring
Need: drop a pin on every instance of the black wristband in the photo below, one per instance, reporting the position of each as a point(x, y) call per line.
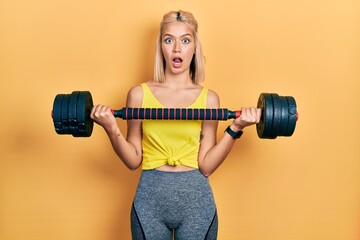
point(234, 135)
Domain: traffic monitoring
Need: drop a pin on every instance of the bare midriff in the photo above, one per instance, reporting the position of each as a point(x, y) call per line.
point(179, 168)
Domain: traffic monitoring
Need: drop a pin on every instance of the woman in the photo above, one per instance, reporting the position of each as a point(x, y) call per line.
point(174, 196)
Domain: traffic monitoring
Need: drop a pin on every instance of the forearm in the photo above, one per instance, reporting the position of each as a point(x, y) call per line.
point(125, 150)
point(216, 155)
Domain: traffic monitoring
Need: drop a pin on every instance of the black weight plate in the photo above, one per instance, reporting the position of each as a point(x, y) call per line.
point(264, 127)
point(292, 116)
point(83, 109)
point(56, 113)
point(276, 116)
point(65, 114)
point(73, 125)
point(284, 117)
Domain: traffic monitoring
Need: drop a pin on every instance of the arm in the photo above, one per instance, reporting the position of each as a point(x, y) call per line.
point(129, 149)
point(213, 153)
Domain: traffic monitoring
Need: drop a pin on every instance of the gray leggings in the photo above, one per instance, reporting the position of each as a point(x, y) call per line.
point(173, 203)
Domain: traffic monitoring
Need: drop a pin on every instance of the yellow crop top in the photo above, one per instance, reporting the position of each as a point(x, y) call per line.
point(173, 142)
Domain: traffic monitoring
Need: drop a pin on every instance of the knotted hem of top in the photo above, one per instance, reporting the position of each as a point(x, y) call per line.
point(172, 161)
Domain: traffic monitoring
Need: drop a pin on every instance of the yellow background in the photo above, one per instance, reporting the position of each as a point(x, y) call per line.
point(306, 187)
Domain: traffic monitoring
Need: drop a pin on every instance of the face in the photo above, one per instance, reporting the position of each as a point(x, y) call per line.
point(178, 47)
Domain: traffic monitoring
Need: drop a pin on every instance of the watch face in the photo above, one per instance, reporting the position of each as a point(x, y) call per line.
point(233, 134)
point(238, 134)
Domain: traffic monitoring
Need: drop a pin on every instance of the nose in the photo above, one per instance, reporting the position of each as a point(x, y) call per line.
point(177, 47)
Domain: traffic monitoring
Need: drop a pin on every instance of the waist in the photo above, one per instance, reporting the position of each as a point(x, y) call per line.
point(176, 168)
point(170, 164)
point(157, 182)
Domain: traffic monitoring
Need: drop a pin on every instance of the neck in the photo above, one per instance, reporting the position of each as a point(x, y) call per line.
point(178, 80)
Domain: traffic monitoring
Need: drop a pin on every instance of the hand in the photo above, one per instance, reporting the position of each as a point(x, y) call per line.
point(103, 116)
point(248, 116)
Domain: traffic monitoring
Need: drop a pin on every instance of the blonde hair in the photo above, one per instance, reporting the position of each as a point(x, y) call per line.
point(197, 63)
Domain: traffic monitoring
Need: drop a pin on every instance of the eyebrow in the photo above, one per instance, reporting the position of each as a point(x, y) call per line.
point(186, 34)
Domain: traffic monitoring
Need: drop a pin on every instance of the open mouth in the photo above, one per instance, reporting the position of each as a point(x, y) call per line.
point(177, 60)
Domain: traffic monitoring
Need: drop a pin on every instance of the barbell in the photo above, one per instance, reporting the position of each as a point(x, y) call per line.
point(71, 114)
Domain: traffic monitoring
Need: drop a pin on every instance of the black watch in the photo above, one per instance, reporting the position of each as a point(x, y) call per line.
point(234, 135)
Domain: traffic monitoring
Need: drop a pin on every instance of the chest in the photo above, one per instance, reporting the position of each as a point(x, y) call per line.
point(176, 98)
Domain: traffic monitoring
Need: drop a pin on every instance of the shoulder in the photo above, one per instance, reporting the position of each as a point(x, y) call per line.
point(135, 96)
point(213, 100)
point(136, 92)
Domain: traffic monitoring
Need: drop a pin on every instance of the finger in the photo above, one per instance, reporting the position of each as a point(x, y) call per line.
point(245, 112)
point(98, 111)
point(93, 110)
point(104, 111)
point(258, 115)
point(253, 114)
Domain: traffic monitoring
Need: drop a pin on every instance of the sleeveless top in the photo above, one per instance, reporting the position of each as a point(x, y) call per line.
point(173, 142)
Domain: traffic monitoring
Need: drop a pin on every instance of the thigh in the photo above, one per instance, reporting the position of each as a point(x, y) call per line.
point(148, 228)
point(147, 216)
point(137, 231)
point(198, 227)
point(199, 211)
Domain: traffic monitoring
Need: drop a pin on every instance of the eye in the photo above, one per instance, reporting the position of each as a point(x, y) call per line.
point(168, 40)
point(186, 41)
